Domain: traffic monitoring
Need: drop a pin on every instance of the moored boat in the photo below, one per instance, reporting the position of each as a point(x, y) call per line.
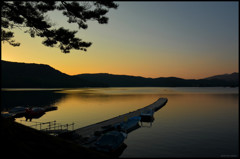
point(35, 112)
point(17, 112)
point(17, 109)
point(129, 125)
point(110, 141)
point(5, 114)
point(147, 115)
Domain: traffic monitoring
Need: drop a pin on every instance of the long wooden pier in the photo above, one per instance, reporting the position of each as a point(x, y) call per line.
point(88, 131)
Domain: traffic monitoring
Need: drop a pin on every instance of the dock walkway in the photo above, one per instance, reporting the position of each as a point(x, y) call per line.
point(88, 131)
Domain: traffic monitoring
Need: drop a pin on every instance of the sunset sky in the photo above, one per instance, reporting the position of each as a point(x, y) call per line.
point(190, 40)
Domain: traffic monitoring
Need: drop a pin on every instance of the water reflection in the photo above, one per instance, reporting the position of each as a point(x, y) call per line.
point(31, 104)
point(147, 123)
point(196, 122)
point(32, 98)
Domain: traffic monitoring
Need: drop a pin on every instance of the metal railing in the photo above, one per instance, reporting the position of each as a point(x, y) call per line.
point(51, 127)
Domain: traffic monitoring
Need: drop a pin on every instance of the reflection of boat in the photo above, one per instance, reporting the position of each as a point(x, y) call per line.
point(118, 152)
point(129, 125)
point(147, 123)
point(147, 115)
point(110, 141)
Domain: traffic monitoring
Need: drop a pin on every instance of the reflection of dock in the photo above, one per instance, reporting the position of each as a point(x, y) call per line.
point(88, 131)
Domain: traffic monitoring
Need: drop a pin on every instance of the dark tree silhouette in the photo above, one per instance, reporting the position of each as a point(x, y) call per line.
point(32, 15)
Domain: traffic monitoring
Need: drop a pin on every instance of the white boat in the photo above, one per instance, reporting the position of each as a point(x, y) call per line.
point(129, 125)
point(110, 141)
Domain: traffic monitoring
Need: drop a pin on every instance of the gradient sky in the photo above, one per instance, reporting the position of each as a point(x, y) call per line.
point(190, 40)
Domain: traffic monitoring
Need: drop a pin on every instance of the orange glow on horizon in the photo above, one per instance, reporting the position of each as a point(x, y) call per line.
point(84, 62)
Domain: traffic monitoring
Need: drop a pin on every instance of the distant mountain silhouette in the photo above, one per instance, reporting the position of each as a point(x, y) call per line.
point(137, 81)
point(234, 77)
point(25, 75)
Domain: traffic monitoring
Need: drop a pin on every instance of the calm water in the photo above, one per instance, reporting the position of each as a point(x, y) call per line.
point(196, 122)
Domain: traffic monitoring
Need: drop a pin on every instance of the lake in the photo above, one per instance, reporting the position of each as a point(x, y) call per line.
point(195, 122)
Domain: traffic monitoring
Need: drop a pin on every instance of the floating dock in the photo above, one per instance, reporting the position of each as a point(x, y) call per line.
point(88, 131)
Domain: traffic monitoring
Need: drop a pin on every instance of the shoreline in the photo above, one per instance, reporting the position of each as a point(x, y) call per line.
point(23, 141)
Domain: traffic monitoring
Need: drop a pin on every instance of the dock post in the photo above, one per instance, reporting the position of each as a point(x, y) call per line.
point(49, 125)
point(54, 124)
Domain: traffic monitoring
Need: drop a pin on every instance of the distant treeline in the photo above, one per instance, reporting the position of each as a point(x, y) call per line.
point(22, 75)
point(134, 81)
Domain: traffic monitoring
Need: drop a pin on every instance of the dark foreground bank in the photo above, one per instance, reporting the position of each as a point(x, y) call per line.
point(22, 141)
